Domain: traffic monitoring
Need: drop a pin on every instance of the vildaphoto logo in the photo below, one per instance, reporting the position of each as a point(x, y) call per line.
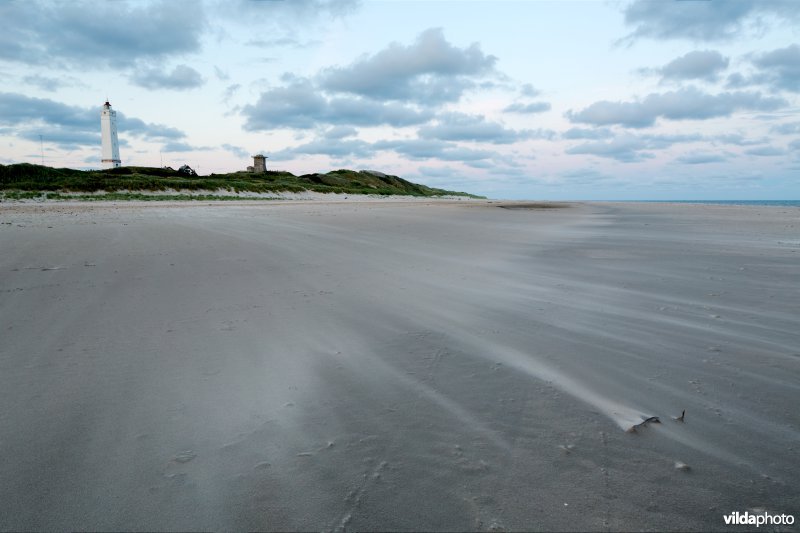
point(758, 519)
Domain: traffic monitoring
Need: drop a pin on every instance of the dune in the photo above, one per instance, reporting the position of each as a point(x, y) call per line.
point(421, 365)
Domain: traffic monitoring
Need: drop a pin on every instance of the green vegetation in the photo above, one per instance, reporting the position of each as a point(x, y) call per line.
point(24, 180)
point(123, 196)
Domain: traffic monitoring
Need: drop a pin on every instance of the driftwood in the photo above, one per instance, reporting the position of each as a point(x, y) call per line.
point(643, 423)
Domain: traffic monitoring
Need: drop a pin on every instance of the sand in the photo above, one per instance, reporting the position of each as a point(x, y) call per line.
point(397, 366)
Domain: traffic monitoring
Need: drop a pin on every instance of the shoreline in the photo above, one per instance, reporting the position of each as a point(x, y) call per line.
point(229, 197)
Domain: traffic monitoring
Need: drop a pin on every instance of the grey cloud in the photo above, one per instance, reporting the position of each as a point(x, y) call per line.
point(460, 153)
point(788, 128)
point(238, 151)
point(479, 164)
point(44, 83)
point(665, 140)
point(20, 109)
point(340, 132)
point(362, 112)
point(585, 176)
point(301, 105)
point(429, 70)
point(766, 151)
point(335, 148)
point(499, 81)
point(139, 128)
point(181, 78)
point(696, 65)
point(534, 107)
point(286, 42)
point(702, 21)
point(780, 68)
point(79, 33)
point(70, 125)
point(631, 148)
point(230, 91)
point(529, 91)
point(626, 150)
point(64, 138)
point(221, 75)
point(684, 104)
point(461, 127)
point(585, 133)
point(288, 10)
point(604, 113)
point(349, 147)
point(737, 81)
point(298, 105)
point(272, 24)
point(512, 175)
point(177, 147)
point(432, 149)
point(700, 158)
point(737, 139)
point(440, 172)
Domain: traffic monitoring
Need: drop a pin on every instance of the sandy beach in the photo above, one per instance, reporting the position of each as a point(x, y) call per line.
point(427, 365)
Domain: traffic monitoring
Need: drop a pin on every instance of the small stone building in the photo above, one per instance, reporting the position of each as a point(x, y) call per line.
point(259, 163)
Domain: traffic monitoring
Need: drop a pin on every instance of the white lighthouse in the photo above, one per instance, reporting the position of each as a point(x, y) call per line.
point(108, 130)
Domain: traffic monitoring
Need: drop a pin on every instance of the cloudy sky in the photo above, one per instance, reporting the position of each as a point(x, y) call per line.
point(629, 99)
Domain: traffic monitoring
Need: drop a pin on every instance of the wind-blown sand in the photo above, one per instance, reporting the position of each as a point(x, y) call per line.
point(400, 366)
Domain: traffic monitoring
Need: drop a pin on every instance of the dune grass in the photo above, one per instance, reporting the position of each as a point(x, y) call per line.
point(19, 181)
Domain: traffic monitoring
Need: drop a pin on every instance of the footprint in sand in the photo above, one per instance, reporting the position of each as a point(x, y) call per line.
point(184, 456)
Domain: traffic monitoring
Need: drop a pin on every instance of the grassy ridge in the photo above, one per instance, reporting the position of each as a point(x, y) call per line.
point(29, 178)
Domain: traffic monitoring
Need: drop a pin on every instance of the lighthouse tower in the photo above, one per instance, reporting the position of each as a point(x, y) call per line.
point(108, 130)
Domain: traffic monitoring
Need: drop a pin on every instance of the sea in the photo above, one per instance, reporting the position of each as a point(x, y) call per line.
point(774, 203)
